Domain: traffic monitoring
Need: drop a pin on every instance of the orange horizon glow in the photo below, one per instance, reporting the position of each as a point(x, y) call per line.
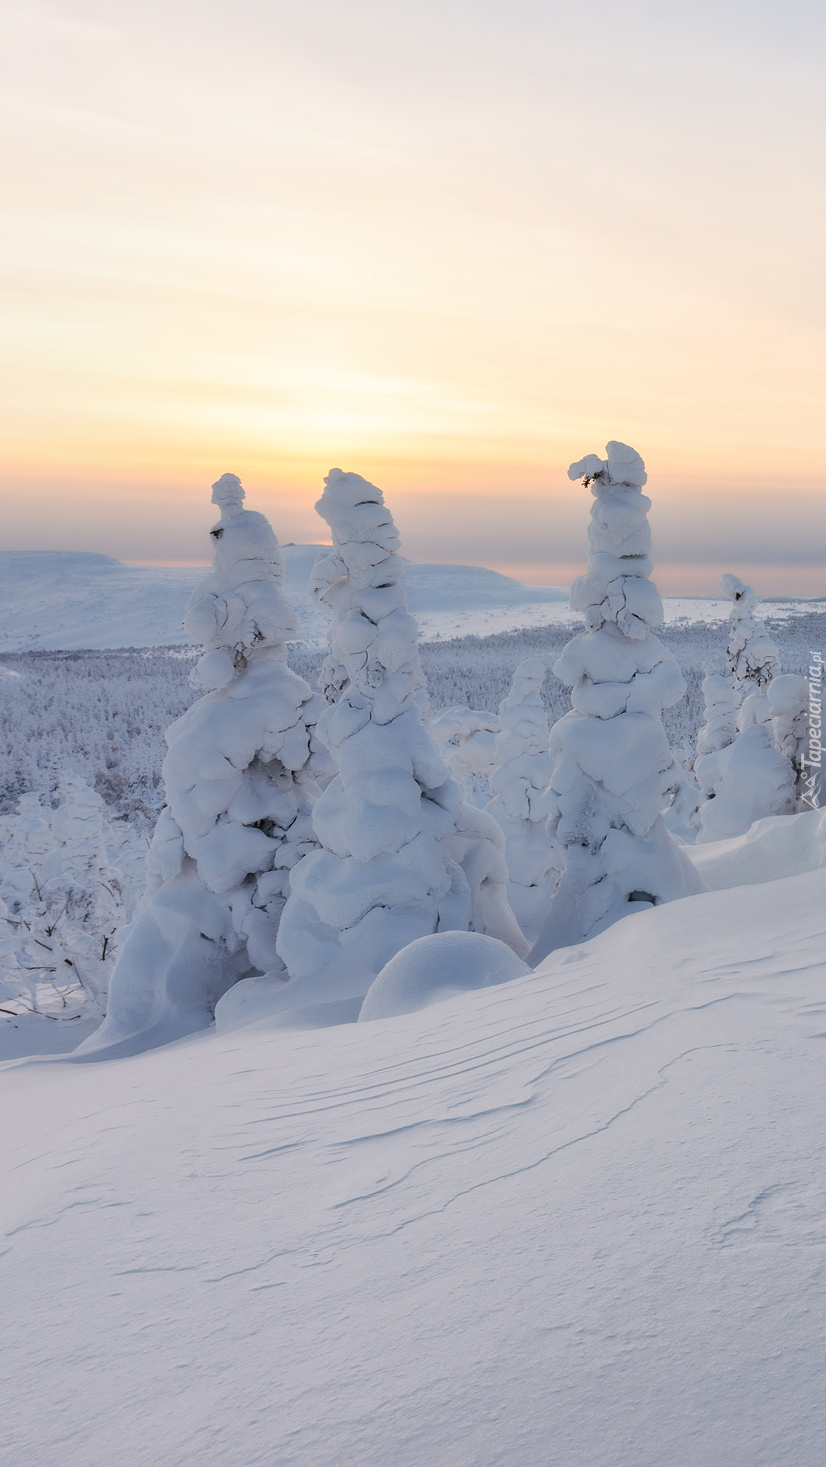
point(450, 256)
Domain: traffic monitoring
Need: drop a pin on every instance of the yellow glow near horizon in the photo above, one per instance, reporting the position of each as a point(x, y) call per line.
point(448, 248)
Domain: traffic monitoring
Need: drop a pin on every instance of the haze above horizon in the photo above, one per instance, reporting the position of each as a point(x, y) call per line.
point(450, 247)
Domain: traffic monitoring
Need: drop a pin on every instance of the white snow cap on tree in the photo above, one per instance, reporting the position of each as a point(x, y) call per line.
point(746, 781)
point(63, 905)
point(520, 777)
point(240, 781)
point(239, 607)
point(401, 855)
point(752, 776)
point(789, 699)
point(720, 727)
point(613, 771)
point(752, 655)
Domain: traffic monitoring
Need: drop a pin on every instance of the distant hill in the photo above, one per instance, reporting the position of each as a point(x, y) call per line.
point(54, 599)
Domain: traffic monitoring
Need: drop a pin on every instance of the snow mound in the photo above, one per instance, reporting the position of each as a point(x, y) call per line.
point(437, 967)
point(779, 846)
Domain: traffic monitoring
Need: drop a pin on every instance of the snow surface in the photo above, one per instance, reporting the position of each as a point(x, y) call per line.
point(65, 600)
point(436, 967)
point(577, 1219)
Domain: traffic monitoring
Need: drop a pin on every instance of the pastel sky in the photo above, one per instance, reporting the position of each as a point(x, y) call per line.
point(452, 245)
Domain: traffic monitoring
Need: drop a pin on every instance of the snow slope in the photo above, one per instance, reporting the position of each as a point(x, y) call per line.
point(576, 1219)
point(67, 600)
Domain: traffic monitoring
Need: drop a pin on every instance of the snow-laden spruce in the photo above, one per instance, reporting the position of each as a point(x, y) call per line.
point(240, 779)
point(520, 777)
point(751, 654)
point(401, 855)
point(749, 776)
point(720, 726)
point(789, 706)
point(613, 771)
point(61, 905)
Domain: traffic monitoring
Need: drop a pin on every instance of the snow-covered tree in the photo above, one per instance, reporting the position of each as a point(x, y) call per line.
point(748, 776)
point(751, 654)
point(788, 697)
point(520, 777)
point(62, 904)
point(613, 772)
point(466, 739)
point(401, 855)
point(240, 779)
point(721, 702)
point(746, 781)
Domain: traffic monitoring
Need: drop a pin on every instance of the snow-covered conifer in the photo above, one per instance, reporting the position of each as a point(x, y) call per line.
point(788, 697)
point(613, 771)
point(751, 654)
point(400, 854)
point(240, 779)
point(749, 777)
point(63, 904)
point(721, 702)
point(520, 777)
point(466, 739)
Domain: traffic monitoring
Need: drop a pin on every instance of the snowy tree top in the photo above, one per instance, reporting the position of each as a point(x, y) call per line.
point(622, 469)
point(616, 587)
point(238, 609)
point(228, 493)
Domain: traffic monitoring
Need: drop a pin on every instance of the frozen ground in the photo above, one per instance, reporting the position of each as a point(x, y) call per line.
point(578, 1219)
point(68, 600)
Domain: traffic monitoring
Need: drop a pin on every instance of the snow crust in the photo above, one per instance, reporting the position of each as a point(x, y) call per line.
point(578, 1218)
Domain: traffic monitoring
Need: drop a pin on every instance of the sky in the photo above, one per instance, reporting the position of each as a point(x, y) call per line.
point(452, 246)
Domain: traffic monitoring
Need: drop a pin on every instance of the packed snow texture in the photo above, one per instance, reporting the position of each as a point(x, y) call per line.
point(779, 846)
point(241, 780)
point(612, 769)
point(578, 1218)
point(401, 855)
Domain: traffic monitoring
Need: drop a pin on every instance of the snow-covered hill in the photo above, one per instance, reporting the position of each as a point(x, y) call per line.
point(68, 600)
point(578, 1219)
point(65, 600)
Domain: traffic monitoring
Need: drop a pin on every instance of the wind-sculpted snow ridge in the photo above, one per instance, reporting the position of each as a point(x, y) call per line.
point(520, 778)
point(576, 1219)
point(613, 771)
point(401, 855)
point(241, 778)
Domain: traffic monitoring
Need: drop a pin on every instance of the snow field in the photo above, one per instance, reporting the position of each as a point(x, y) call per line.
point(105, 713)
point(576, 1219)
